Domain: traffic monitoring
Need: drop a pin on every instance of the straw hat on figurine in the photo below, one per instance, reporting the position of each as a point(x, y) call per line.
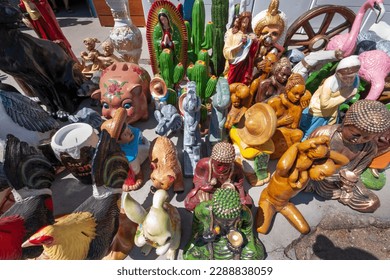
point(158, 87)
point(114, 126)
point(258, 124)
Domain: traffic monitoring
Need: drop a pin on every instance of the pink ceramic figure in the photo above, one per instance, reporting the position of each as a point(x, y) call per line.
point(375, 64)
point(124, 85)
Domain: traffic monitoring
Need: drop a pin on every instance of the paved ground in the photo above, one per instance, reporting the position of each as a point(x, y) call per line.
point(337, 232)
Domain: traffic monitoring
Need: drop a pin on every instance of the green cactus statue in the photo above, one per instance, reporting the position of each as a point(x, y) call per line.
point(198, 23)
point(219, 16)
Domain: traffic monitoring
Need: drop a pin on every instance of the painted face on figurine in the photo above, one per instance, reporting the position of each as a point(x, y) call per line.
point(225, 225)
point(295, 93)
point(347, 75)
point(126, 136)
point(124, 85)
point(353, 135)
point(108, 49)
point(283, 74)
point(270, 35)
point(164, 21)
point(220, 167)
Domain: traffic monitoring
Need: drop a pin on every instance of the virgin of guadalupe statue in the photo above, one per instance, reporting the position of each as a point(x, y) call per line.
point(165, 29)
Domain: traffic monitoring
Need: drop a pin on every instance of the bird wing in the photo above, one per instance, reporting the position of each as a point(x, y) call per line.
point(25, 166)
point(109, 163)
point(26, 112)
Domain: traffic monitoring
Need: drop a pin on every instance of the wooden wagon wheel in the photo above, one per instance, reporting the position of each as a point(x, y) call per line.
point(315, 40)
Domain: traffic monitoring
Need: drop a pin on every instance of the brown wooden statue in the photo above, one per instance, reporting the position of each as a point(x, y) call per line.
point(241, 100)
point(311, 159)
point(288, 107)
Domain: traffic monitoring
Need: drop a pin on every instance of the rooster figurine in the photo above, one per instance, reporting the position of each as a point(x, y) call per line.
point(88, 232)
point(11, 236)
point(30, 175)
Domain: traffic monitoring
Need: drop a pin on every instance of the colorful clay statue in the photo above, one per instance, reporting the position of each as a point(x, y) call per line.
point(124, 85)
point(133, 144)
point(222, 229)
point(311, 159)
point(158, 226)
point(333, 92)
point(165, 165)
point(240, 48)
point(191, 139)
point(252, 141)
point(42, 19)
point(275, 84)
point(212, 172)
point(288, 107)
point(88, 232)
point(166, 30)
point(364, 121)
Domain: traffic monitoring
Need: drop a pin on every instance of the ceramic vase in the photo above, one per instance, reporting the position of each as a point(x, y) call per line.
point(125, 36)
point(74, 146)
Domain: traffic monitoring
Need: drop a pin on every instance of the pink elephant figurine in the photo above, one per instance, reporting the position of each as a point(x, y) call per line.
point(124, 85)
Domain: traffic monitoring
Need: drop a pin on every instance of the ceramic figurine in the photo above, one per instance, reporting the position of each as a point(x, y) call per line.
point(270, 26)
point(303, 161)
point(25, 119)
point(124, 85)
point(74, 145)
point(42, 19)
point(241, 100)
point(252, 141)
point(364, 121)
point(158, 227)
point(165, 29)
point(288, 107)
point(333, 92)
point(212, 172)
point(276, 83)
point(375, 64)
point(222, 230)
point(43, 67)
point(133, 144)
point(88, 232)
point(191, 138)
point(31, 176)
point(165, 165)
point(125, 36)
point(169, 120)
point(240, 48)
point(90, 58)
point(159, 91)
point(220, 102)
point(108, 57)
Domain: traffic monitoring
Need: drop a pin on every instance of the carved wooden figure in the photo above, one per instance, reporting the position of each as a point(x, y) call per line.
point(288, 107)
point(311, 159)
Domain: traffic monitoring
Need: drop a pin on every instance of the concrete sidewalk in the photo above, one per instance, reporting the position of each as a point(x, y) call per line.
point(68, 193)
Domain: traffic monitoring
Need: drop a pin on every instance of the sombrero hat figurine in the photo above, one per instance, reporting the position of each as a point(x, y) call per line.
point(251, 138)
point(159, 91)
point(129, 138)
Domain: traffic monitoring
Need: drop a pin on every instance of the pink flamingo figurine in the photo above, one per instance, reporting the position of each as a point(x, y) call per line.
point(375, 64)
